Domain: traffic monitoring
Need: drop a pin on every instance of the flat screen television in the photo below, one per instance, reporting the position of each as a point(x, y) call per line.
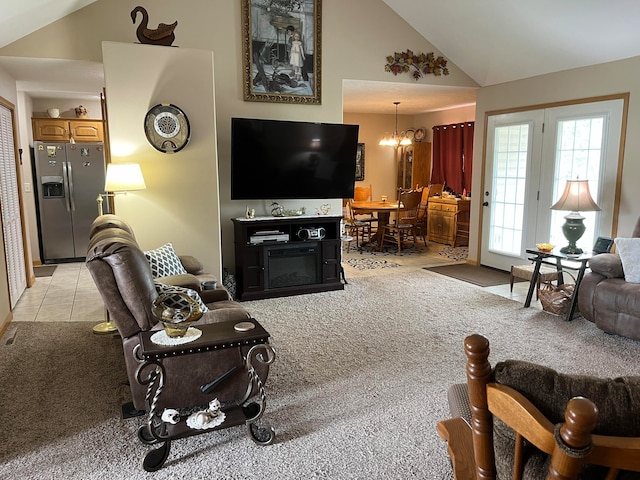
point(279, 159)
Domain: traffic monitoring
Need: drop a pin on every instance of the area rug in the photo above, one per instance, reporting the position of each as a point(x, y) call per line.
point(44, 270)
point(481, 276)
point(369, 263)
point(408, 248)
point(355, 393)
point(455, 253)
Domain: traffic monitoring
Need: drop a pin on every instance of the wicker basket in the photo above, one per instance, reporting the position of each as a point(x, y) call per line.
point(555, 299)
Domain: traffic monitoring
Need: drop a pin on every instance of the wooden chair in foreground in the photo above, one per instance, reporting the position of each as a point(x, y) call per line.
point(519, 426)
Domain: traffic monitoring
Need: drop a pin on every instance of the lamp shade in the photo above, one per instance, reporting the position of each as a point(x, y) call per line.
point(576, 198)
point(124, 177)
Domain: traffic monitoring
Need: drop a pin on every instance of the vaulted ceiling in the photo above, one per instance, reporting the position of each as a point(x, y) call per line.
point(493, 41)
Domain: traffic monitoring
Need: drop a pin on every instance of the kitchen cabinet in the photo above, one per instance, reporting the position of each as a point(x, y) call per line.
point(63, 129)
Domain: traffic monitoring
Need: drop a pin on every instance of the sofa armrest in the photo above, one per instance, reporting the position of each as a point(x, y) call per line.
point(191, 264)
point(608, 265)
point(185, 280)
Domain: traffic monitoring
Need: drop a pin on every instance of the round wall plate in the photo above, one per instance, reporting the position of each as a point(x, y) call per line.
point(419, 134)
point(167, 128)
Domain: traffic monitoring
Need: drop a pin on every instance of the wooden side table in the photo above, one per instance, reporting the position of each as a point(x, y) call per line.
point(215, 337)
point(561, 261)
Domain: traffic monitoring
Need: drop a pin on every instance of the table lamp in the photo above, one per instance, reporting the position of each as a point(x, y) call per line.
point(121, 178)
point(575, 198)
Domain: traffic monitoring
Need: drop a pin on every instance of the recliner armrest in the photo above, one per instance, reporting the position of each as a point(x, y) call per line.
point(191, 264)
point(608, 265)
point(219, 294)
point(186, 280)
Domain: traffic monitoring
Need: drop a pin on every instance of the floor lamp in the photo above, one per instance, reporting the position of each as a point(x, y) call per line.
point(121, 178)
point(575, 198)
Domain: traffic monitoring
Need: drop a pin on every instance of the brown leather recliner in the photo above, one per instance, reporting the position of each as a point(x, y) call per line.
point(193, 279)
point(123, 276)
point(606, 299)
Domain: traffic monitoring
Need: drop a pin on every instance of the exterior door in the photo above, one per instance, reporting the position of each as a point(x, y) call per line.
point(530, 156)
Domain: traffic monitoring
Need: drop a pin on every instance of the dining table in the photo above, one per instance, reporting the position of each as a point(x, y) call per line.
point(381, 208)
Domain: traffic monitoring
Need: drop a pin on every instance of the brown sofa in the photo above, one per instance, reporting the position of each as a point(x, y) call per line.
point(123, 276)
point(606, 299)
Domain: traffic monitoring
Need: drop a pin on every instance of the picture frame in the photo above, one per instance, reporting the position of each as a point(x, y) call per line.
point(281, 51)
point(603, 245)
point(360, 162)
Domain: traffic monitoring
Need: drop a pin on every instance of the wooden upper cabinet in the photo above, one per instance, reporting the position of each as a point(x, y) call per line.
point(86, 130)
point(50, 129)
point(62, 129)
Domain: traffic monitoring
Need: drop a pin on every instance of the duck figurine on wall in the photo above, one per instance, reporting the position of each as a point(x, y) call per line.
point(163, 35)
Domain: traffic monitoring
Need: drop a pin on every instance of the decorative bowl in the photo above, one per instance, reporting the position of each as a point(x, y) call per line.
point(176, 312)
point(544, 247)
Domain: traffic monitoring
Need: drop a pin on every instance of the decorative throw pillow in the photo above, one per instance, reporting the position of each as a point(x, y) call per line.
point(175, 301)
point(164, 261)
point(629, 251)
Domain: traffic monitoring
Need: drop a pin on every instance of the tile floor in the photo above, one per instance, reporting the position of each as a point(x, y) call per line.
point(70, 294)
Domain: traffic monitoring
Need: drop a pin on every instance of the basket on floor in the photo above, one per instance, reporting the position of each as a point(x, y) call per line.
point(555, 299)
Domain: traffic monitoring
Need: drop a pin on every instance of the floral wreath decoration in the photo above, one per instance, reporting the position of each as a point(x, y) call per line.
point(422, 64)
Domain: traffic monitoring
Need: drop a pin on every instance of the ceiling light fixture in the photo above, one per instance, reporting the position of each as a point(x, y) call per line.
point(397, 139)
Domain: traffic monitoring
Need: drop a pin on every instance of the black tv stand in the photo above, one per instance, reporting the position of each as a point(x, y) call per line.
point(292, 267)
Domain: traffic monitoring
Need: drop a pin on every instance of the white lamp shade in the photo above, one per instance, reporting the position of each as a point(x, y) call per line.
point(576, 198)
point(124, 177)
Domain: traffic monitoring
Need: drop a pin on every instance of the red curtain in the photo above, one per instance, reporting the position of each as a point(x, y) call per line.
point(453, 156)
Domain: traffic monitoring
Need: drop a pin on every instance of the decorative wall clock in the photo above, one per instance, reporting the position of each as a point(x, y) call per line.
point(420, 134)
point(167, 128)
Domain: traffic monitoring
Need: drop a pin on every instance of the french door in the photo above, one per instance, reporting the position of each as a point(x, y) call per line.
point(530, 156)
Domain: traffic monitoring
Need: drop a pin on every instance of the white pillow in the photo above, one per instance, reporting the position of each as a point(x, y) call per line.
point(164, 261)
point(175, 301)
point(629, 251)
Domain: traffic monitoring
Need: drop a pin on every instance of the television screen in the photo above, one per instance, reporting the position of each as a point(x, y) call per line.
point(276, 159)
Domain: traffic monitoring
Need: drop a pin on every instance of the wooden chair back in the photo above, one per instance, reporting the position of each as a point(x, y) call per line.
point(363, 194)
point(571, 445)
point(435, 189)
point(408, 205)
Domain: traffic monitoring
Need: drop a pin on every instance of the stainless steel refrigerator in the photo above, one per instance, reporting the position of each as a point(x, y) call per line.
point(69, 177)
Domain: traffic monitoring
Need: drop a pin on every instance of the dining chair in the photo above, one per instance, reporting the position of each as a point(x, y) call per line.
point(356, 228)
point(421, 223)
point(435, 189)
point(364, 194)
point(405, 223)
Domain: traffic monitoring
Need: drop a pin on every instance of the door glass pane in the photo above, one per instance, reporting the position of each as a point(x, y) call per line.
point(578, 155)
point(509, 175)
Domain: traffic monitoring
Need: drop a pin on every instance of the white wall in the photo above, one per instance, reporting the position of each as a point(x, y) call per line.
point(180, 204)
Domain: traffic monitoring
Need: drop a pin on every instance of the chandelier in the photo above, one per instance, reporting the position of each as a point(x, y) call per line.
point(397, 139)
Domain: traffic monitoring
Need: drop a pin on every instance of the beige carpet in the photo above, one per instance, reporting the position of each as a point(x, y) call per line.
point(355, 393)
